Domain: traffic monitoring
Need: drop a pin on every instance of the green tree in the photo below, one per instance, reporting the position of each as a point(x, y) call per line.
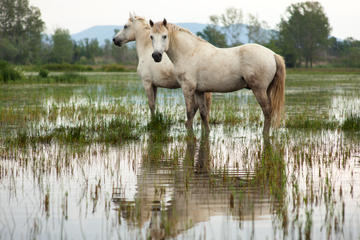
point(85, 51)
point(232, 23)
point(20, 31)
point(344, 53)
point(273, 42)
point(62, 50)
point(304, 32)
point(213, 36)
point(8, 50)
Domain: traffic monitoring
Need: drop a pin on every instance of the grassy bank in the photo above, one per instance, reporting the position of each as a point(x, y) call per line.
point(321, 71)
point(57, 67)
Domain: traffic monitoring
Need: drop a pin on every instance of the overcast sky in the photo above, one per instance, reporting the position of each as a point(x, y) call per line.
point(77, 15)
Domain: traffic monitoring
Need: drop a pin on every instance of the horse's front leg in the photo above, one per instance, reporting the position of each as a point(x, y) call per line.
point(151, 94)
point(202, 103)
point(189, 95)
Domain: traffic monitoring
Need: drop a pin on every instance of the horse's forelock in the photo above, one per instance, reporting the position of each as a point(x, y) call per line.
point(158, 27)
point(140, 19)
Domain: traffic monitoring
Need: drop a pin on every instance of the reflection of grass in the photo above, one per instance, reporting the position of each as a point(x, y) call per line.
point(159, 126)
point(159, 122)
point(271, 172)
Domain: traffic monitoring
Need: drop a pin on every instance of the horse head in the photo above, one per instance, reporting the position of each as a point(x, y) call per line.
point(127, 34)
point(159, 36)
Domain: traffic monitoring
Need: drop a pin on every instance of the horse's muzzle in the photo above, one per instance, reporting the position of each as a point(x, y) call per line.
point(117, 42)
point(157, 56)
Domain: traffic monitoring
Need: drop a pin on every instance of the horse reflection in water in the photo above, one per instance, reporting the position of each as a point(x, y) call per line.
point(173, 195)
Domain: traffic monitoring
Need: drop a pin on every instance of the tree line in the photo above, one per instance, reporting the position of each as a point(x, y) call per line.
point(60, 48)
point(22, 40)
point(302, 37)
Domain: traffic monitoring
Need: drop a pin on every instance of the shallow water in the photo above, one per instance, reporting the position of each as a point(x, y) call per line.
point(302, 183)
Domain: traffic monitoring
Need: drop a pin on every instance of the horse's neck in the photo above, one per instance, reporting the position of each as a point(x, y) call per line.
point(182, 46)
point(142, 42)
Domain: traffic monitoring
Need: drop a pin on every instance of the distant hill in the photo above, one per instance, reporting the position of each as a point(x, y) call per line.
point(100, 32)
point(107, 31)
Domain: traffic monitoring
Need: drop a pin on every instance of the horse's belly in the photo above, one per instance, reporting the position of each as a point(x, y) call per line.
point(165, 80)
point(166, 84)
point(214, 84)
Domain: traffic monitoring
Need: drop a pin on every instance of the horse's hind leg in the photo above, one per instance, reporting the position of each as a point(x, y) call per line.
point(202, 103)
point(265, 104)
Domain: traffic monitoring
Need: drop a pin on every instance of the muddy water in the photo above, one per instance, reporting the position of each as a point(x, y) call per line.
point(230, 184)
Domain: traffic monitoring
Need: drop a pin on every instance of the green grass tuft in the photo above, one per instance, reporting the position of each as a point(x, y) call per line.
point(44, 73)
point(301, 122)
point(352, 122)
point(8, 72)
point(70, 77)
point(115, 131)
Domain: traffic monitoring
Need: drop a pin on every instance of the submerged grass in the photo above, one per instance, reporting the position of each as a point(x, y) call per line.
point(116, 131)
point(351, 123)
point(302, 122)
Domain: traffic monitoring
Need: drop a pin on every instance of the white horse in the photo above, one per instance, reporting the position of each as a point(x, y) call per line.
point(153, 75)
point(201, 67)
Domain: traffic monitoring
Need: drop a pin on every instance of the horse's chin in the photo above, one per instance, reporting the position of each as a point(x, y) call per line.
point(118, 44)
point(157, 60)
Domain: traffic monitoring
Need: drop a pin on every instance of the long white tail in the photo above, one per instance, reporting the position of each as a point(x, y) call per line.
point(276, 91)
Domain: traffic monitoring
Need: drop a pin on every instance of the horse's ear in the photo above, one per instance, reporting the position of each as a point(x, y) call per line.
point(164, 22)
point(131, 16)
point(151, 23)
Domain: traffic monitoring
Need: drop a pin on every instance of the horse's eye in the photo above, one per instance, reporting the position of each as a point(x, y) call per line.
point(164, 37)
point(151, 37)
point(125, 27)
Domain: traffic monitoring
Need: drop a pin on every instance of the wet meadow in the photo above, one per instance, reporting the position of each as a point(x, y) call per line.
point(81, 158)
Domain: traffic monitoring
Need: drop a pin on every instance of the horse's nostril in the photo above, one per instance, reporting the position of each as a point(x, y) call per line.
point(156, 56)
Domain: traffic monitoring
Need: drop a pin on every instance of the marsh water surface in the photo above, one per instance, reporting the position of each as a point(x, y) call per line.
point(84, 160)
